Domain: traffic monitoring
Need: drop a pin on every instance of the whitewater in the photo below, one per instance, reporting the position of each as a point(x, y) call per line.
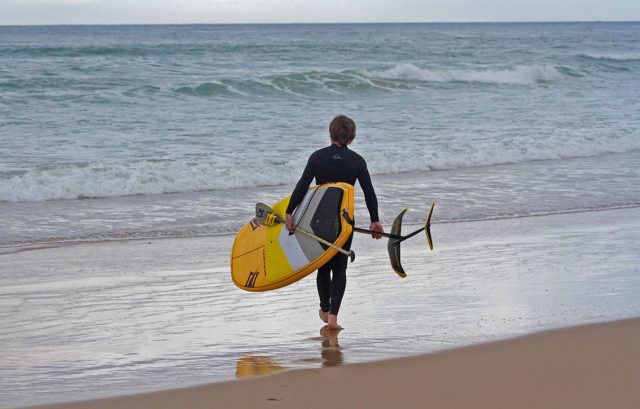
point(110, 132)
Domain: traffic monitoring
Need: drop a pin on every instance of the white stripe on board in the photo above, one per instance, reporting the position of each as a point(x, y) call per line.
point(292, 249)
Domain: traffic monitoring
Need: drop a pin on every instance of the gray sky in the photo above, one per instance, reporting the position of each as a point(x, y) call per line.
point(303, 11)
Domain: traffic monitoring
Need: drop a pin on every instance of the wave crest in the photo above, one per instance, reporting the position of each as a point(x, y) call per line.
point(236, 170)
point(522, 74)
point(142, 177)
point(403, 76)
point(619, 57)
point(204, 89)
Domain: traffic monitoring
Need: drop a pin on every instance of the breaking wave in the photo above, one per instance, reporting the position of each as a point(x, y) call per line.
point(522, 74)
point(402, 76)
point(236, 170)
point(621, 57)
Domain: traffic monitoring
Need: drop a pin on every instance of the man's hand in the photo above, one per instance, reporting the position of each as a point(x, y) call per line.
point(376, 226)
point(289, 223)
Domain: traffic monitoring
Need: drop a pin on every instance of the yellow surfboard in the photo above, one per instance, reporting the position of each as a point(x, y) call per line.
point(268, 257)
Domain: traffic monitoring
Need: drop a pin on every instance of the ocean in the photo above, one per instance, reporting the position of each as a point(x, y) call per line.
point(119, 132)
point(526, 135)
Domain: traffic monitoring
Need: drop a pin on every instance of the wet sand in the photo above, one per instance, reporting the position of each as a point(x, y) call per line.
point(96, 320)
point(595, 366)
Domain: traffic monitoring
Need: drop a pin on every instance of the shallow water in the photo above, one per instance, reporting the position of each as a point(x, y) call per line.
point(130, 316)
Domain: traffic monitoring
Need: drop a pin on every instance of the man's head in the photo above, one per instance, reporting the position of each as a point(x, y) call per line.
point(342, 130)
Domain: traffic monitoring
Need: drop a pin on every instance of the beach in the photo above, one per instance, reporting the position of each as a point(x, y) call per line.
point(585, 367)
point(127, 317)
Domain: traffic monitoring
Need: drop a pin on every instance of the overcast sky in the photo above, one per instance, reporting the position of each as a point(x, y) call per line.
point(309, 11)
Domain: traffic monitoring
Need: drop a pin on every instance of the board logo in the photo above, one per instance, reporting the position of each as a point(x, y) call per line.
point(251, 280)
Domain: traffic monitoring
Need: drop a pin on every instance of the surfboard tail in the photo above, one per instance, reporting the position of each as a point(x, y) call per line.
point(393, 245)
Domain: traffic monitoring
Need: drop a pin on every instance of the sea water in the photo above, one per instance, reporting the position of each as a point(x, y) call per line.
point(123, 132)
point(111, 132)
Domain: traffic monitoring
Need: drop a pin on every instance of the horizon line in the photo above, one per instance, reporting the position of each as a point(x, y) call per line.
point(325, 23)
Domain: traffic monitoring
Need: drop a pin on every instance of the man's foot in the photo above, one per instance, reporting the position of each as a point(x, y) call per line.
point(324, 315)
point(332, 323)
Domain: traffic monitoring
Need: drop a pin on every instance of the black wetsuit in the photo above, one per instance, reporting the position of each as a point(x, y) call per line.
point(335, 164)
